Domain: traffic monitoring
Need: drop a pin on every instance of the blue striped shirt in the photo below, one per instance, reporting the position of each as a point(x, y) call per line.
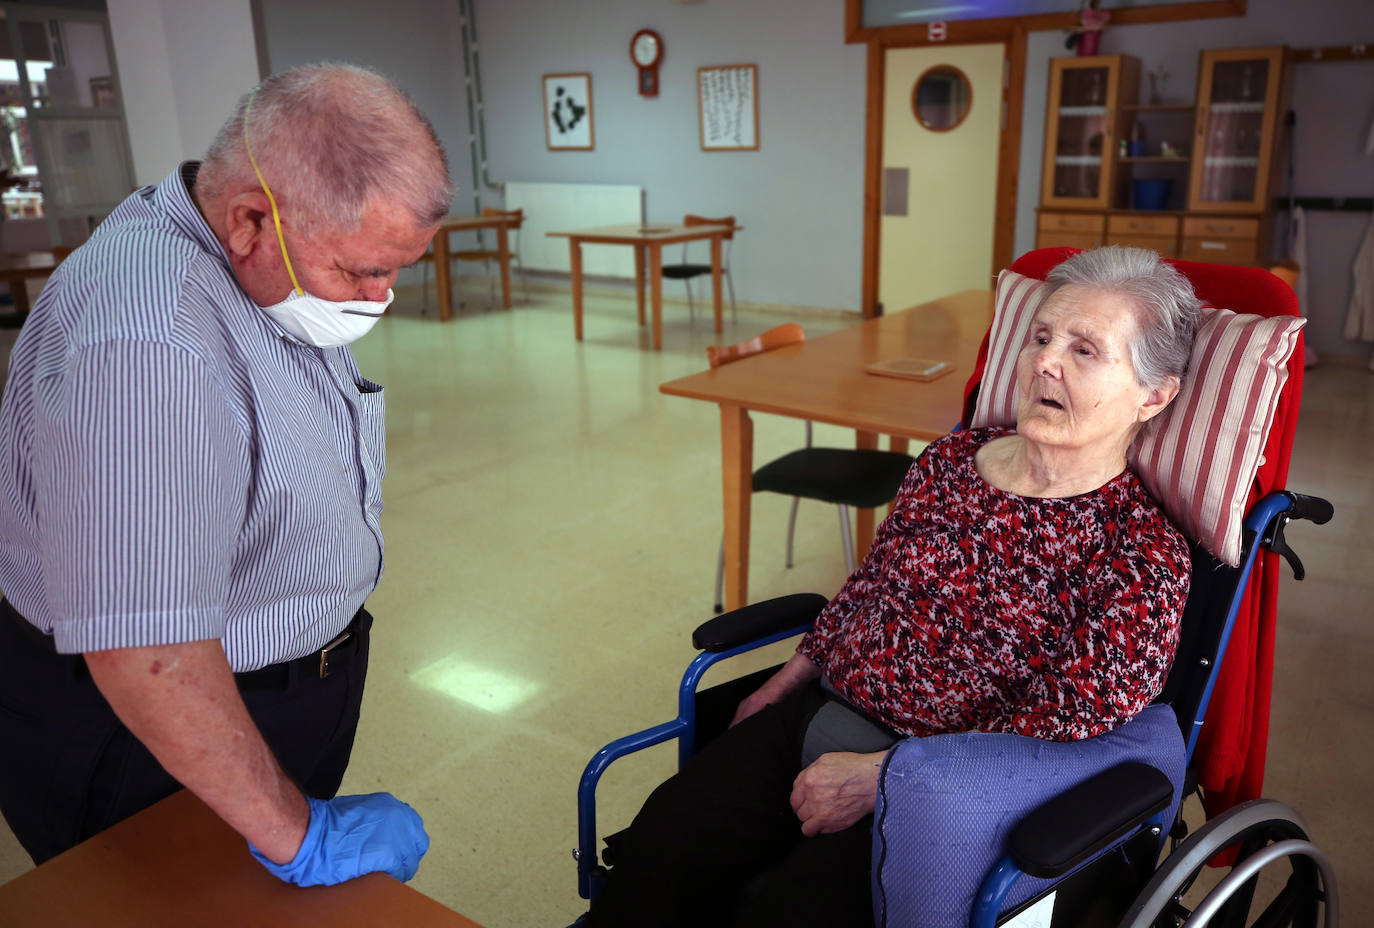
point(173, 465)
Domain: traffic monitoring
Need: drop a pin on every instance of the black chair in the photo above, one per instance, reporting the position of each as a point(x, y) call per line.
point(843, 476)
point(686, 271)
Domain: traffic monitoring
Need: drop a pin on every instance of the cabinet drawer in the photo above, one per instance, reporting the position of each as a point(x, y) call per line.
point(1143, 225)
point(1072, 222)
point(1217, 250)
point(1082, 240)
point(1219, 227)
point(1166, 245)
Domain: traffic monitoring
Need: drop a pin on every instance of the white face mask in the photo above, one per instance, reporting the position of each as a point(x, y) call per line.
point(323, 323)
point(311, 319)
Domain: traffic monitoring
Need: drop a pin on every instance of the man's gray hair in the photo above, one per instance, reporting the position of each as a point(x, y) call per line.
point(1167, 311)
point(330, 140)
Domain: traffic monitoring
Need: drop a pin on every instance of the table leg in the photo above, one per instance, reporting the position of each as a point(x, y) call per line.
point(737, 464)
point(503, 252)
point(716, 279)
point(441, 274)
point(639, 281)
point(656, 282)
point(864, 520)
point(575, 260)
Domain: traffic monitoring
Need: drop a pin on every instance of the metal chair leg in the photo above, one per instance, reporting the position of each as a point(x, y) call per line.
point(792, 527)
point(491, 285)
point(720, 578)
point(730, 282)
point(691, 307)
point(847, 538)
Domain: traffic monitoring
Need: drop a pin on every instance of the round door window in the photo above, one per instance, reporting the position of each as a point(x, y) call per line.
point(942, 98)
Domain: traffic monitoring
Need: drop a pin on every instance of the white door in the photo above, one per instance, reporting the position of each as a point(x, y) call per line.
point(943, 243)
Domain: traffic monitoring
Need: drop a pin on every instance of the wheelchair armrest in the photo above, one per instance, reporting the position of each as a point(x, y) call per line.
point(1068, 829)
point(757, 620)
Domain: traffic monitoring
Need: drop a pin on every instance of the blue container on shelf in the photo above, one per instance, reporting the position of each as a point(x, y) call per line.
point(1150, 194)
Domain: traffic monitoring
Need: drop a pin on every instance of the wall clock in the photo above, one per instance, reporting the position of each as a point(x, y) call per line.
point(646, 51)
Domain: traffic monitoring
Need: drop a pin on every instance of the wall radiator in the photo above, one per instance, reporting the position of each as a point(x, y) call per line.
point(565, 207)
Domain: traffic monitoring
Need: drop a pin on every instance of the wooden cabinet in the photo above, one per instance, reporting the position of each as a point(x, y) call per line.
point(1075, 230)
point(1080, 128)
point(1239, 90)
point(1226, 240)
point(1158, 233)
point(1112, 162)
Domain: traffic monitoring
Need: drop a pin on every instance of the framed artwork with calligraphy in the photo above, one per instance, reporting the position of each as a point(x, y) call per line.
point(568, 112)
point(728, 103)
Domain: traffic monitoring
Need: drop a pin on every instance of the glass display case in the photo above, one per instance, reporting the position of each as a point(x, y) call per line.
point(1238, 93)
point(1085, 99)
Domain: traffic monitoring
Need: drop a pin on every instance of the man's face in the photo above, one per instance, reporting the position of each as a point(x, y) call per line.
point(335, 266)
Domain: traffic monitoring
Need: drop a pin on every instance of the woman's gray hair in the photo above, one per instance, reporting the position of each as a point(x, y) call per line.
point(1167, 311)
point(331, 139)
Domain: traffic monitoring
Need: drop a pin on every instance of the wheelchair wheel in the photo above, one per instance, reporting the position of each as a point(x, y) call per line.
point(1261, 833)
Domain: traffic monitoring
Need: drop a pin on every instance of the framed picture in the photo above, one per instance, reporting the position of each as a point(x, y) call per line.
point(103, 92)
point(728, 104)
point(568, 112)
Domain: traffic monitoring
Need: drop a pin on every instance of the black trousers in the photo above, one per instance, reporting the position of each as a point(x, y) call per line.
point(719, 844)
point(71, 769)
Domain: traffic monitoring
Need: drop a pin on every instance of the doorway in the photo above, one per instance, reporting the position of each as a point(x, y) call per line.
point(942, 119)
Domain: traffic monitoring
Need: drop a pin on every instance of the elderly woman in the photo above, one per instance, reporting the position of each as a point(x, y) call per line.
point(1025, 582)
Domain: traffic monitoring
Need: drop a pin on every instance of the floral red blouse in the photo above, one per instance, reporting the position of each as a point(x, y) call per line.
point(981, 610)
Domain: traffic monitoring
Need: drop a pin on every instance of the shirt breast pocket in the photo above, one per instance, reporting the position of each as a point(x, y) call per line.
point(372, 442)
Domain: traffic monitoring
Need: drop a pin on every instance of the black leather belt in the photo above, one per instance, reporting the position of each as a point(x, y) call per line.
point(315, 665)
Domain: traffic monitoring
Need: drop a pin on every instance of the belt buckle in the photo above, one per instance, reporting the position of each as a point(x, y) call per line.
point(334, 645)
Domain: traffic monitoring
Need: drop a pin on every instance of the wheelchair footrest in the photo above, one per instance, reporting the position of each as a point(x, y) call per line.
point(1067, 830)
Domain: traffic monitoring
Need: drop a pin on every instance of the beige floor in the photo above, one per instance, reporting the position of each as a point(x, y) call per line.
point(552, 524)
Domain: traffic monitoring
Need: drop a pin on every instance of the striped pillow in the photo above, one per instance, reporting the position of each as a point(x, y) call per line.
point(1200, 456)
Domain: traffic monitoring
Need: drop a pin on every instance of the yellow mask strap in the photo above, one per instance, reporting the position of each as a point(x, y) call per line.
point(276, 219)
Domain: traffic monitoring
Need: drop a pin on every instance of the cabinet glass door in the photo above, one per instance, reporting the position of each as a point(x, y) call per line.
point(1077, 169)
point(1082, 131)
point(1235, 122)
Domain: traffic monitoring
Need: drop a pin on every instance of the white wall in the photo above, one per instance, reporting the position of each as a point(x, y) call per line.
point(183, 64)
point(799, 197)
point(416, 43)
point(1334, 103)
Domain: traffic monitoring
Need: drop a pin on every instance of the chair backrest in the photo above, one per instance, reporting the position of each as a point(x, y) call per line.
point(1216, 587)
point(694, 220)
point(1287, 271)
point(519, 214)
point(787, 334)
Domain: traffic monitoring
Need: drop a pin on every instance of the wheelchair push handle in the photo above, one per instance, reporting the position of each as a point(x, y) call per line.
point(1300, 506)
point(1311, 508)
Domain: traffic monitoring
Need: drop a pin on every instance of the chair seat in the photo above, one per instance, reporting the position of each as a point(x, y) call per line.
point(843, 476)
point(684, 271)
point(475, 255)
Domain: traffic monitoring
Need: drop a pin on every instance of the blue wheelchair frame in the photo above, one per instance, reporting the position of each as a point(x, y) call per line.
point(1263, 527)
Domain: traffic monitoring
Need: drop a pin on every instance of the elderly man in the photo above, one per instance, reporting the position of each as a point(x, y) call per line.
point(190, 469)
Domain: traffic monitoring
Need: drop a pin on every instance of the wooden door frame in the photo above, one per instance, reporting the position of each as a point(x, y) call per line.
point(1008, 154)
point(1011, 32)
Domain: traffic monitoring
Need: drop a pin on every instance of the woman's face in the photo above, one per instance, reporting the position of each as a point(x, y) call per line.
point(1076, 386)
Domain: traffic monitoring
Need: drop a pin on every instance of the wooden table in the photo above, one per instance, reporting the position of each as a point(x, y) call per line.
point(648, 242)
point(449, 224)
point(17, 268)
point(178, 864)
point(824, 380)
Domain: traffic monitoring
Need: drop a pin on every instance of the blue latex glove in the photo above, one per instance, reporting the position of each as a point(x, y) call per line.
point(352, 835)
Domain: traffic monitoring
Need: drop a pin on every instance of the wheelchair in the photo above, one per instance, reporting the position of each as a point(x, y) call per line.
point(1056, 853)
